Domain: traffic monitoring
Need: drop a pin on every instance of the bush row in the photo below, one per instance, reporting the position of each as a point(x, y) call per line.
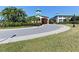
point(16, 24)
point(70, 22)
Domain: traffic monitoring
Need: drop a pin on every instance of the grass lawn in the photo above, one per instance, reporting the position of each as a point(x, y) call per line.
point(66, 41)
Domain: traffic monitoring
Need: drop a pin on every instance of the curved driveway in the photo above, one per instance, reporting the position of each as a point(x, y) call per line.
point(22, 32)
point(4, 35)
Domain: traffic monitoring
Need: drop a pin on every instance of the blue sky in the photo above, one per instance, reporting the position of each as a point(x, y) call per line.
point(49, 11)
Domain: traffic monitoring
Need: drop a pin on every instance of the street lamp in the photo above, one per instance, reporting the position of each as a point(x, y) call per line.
point(74, 19)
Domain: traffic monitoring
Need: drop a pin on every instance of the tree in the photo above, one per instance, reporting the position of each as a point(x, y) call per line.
point(32, 18)
point(52, 20)
point(14, 14)
point(77, 18)
point(73, 19)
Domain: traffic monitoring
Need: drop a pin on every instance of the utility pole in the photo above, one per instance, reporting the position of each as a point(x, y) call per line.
point(74, 20)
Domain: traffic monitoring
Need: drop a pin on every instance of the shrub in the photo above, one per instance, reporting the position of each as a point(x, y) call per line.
point(15, 24)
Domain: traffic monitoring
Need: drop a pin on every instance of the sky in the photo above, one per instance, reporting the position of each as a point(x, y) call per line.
point(49, 11)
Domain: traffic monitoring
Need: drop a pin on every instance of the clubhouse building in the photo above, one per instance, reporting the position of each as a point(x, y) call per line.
point(62, 18)
point(42, 19)
point(56, 19)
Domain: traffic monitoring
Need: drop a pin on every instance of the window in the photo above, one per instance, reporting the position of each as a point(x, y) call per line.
point(60, 20)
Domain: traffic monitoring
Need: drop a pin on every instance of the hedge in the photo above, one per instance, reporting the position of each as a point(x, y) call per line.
point(15, 24)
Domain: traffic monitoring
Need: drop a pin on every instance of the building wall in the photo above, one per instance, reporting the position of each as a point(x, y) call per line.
point(62, 18)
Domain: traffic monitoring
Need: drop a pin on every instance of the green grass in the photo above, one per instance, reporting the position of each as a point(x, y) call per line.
point(66, 41)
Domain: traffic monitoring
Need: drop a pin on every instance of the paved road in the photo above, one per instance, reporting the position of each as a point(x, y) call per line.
point(23, 32)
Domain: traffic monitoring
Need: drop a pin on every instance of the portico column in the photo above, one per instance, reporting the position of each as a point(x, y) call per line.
point(40, 19)
point(48, 21)
point(57, 20)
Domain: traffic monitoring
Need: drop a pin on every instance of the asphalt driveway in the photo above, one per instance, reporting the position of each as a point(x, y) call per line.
point(24, 32)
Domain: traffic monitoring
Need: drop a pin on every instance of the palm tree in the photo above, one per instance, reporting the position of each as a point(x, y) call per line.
point(13, 14)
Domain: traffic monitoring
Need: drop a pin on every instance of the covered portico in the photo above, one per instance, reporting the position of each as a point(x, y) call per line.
point(44, 20)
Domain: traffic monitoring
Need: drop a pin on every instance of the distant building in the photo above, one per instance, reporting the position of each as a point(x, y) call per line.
point(62, 18)
point(42, 19)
